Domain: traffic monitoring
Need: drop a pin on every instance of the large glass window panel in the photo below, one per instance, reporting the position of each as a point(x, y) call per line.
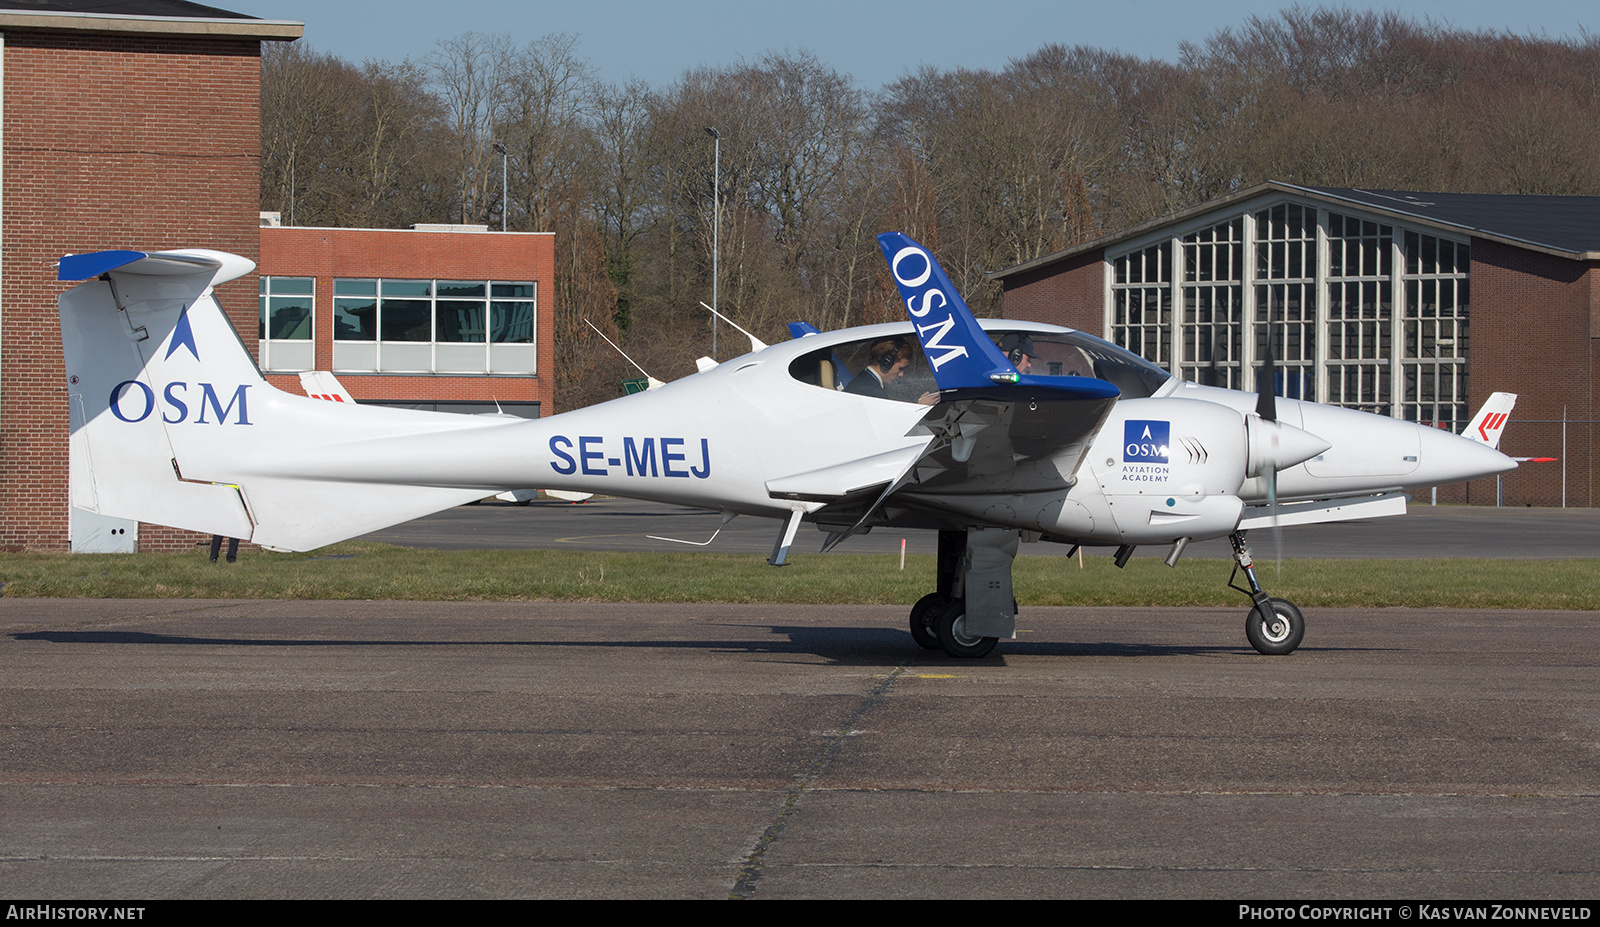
point(355, 318)
point(289, 319)
point(511, 322)
point(460, 321)
point(405, 319)
point(442, 326)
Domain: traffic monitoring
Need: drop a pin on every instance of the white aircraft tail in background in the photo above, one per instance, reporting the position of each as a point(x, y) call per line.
point(1486, 427)
point(321, 384)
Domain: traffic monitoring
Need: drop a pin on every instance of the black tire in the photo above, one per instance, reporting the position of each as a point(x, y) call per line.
point(1278, 636)
point(951, 627)
point(922, 618)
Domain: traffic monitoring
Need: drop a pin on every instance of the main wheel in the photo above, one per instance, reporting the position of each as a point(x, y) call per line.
point(1277, 634)
point(951, 628)
point(923, 615)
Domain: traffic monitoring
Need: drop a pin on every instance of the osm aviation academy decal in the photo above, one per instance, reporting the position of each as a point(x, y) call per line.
point(1144, 451)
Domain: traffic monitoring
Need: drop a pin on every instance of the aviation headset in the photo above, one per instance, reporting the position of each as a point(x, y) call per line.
point(887, 353)
point(1016, 346)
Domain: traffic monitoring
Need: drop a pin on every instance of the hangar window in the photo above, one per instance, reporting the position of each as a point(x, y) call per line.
point(1142, 303)
point(1213, 305)
point(1433, 358)
point(1285, 295)
point(1360, 314)
point(287, 305)
point(434, 326)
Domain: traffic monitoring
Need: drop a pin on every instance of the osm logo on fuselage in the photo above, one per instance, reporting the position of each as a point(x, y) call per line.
point(132, 401)
point(1145, 441)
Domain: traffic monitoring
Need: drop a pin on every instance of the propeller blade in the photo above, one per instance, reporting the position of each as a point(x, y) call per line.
point(1266, 395)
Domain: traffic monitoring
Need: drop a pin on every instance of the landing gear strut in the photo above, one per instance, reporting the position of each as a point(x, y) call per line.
point(972, 608)
point(1274, 626)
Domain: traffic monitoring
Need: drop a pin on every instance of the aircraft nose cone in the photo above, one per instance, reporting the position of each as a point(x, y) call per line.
point(1449, 458)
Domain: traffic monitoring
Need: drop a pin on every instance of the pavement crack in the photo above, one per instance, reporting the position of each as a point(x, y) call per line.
point(755, 862)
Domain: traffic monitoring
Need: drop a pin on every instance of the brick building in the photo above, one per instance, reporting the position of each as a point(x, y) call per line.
point(446, 318)
point(1415, 305)
point(134, 126)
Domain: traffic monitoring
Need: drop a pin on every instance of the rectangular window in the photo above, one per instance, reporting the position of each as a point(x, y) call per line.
point(435, 326)
point(1142, 304)
point(1433, 355)
point(287, 315)
point(1360, 314)
point(1213, 305)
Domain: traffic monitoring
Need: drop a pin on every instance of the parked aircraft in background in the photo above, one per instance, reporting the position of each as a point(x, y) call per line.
point(989, 431)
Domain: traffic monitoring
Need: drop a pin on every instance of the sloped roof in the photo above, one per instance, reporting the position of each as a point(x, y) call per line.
point(1565, 226)
point(167, 16)
point(1561, 223)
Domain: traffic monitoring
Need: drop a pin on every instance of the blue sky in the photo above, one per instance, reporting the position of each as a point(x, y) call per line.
point(875, 41)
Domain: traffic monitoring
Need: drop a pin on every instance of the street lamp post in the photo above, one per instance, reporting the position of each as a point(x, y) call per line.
point(716, 226)
point(505, 203)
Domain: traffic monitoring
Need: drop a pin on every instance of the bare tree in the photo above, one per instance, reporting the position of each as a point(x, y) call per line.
point(471, 74)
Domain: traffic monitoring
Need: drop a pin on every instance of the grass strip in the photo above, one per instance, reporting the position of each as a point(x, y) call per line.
point(369, 570)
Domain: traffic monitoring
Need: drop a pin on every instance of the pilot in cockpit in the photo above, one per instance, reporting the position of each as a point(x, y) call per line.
point(887, 363)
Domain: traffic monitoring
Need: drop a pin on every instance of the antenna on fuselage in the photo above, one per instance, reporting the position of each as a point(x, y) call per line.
point(652, 380)
point(756, 344)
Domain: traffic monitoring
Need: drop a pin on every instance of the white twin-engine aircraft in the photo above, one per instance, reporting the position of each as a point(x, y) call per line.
point(988, 431)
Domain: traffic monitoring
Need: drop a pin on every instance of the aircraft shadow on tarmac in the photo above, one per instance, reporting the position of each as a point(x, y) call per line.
point(848, 646)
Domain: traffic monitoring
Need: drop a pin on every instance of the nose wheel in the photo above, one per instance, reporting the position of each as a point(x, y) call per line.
point(1276, 631)
point(1274, 626)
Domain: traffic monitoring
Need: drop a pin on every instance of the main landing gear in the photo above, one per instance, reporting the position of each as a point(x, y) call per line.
point(973, 606)
point(1274, 626)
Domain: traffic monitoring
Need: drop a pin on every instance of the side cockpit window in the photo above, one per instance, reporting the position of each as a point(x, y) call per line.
point(882, 368)
point(1076, 354)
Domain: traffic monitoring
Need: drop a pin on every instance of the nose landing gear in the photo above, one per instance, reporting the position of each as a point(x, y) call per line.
point(1274, 626)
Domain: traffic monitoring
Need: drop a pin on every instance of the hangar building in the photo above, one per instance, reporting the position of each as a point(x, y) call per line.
point(1415, 305)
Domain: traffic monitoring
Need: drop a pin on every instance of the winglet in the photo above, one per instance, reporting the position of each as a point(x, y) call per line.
point(965, 361)
point(1486, 426)
point(957, 348)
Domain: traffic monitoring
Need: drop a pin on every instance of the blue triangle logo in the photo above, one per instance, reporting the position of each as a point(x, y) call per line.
point(183, 336)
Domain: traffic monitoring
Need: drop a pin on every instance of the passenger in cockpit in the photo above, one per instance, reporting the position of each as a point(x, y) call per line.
point(1018, 349)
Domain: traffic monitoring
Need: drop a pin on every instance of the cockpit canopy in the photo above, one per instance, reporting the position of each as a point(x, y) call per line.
point(1054, 354)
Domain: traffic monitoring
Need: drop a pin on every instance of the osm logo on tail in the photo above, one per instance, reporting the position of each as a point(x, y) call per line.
point(132, 401)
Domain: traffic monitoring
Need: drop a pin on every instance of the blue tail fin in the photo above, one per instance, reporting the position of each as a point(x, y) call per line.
point(965, 361)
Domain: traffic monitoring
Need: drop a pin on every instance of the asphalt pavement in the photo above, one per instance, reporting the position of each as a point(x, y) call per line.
point(279, 749)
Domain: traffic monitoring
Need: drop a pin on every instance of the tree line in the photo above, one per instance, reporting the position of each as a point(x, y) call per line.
point(989, 168)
